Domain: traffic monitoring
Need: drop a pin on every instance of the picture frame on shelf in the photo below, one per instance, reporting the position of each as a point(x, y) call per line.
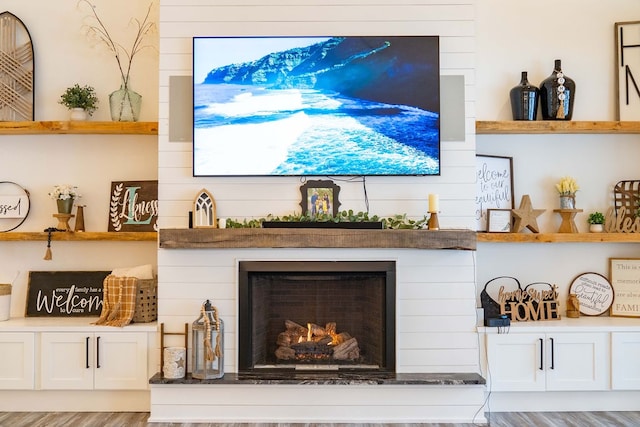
point(494, 186)
point(627, 36)
point(624, 274)
point(320, 197)
point(499, 220)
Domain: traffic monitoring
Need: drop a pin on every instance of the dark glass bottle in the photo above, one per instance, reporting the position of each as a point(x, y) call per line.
point(557, 94)
point(524, 100)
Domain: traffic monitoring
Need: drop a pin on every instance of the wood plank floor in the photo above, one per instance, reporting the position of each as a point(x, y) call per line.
point(139, 419)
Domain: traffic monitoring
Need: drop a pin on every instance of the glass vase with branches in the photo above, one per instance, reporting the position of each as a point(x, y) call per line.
point(124, 103)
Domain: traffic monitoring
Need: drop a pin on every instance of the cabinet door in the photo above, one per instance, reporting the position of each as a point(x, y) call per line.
point(516, 362)
point(17, 360)
point(121, 361)
point(625, 354)
point(66, 361)
point(578, 361)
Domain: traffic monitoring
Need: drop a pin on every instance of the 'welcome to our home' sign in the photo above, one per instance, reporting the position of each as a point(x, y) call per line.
point(65, 293)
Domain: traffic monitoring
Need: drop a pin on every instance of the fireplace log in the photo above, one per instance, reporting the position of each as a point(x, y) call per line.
point(292, 326)
point(348, 350)
point(316, 330)
point(325, 341)
point(342, 337)
point(311, 348)
point(285, 353)
point(284, 339)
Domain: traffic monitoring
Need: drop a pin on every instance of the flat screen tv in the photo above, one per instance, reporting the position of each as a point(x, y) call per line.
point(316, 106)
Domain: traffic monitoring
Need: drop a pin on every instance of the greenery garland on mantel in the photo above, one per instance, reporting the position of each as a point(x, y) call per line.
point(397, 222)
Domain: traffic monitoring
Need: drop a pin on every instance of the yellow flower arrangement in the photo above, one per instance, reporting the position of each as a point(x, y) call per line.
point(567, 186)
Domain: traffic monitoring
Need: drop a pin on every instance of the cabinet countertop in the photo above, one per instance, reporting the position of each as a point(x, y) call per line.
point(581, 324)
point(68, 324)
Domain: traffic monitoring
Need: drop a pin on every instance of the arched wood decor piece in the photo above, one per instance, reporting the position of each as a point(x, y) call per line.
point(204, 210)
point(16, 70)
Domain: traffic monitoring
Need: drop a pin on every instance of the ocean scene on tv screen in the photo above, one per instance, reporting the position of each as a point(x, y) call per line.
point(302, 106)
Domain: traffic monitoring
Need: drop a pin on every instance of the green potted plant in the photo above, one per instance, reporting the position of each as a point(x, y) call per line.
point(80, 100)
point(596, 221)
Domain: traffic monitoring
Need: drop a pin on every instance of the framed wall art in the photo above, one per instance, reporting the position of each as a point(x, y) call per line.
point(628, 70)
point(494, 186)
point(499, 220)
point(320, 198)
point(625, 280)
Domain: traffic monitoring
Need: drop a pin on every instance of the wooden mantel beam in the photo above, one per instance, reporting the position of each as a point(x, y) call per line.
point(206, 238)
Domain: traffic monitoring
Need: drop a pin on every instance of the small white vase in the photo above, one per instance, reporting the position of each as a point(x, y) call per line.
point(78, 114)
point(596, 228)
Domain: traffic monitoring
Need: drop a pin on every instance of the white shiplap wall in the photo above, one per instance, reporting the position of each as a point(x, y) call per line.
point(436, 289)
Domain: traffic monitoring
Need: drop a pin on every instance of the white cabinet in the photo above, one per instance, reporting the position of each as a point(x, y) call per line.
point(548, 362)
point(17, 357)
point(625, 354)
point(87, 361)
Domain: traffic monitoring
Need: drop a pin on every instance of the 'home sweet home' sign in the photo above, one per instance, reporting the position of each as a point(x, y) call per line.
point(536, 301)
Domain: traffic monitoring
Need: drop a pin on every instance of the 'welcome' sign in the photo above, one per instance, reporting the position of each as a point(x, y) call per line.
point(65, 293)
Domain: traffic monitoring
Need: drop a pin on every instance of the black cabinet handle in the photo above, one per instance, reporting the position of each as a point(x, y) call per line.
point(98, 352)
point(541, 353)
point(86, 352)
point(552, 355)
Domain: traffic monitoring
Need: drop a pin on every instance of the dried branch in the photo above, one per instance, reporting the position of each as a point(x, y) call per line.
point(95, 28)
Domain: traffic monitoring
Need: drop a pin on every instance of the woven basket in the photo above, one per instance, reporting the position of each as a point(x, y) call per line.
point(146, 301)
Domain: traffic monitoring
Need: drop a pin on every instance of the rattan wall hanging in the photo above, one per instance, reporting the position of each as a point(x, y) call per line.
point(16, 70)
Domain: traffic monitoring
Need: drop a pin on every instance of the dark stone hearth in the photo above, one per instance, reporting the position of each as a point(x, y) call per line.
point(331, 378)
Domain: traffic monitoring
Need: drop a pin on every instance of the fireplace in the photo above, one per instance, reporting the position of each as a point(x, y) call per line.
point(316, 315)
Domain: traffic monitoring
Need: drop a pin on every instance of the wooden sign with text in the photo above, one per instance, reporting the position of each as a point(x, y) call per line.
point(133, 206)
point(13, 206)
point(625, 280)
point(530, 304)
point(65, 293)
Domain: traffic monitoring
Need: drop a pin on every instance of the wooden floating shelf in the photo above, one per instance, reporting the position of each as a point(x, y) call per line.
point(555, 126)
point(80, 236)
point(559, 237)
point(78, 127)
point(208, 238)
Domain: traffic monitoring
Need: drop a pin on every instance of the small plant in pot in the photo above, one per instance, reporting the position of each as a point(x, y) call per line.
point(81, 100)
point(596, 221)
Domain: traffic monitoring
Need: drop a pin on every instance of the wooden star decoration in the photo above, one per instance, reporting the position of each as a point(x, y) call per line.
point(525, 216)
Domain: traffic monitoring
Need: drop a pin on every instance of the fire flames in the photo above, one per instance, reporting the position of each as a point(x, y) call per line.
point(316, 343)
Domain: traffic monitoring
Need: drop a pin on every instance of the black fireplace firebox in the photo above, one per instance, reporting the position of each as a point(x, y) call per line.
point(317, 315)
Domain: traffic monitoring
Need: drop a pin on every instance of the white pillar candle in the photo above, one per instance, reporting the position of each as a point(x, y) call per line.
point(433, 203)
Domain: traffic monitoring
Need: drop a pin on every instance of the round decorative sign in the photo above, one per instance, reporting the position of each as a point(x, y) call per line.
point(14, 205)
point(594, 293)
